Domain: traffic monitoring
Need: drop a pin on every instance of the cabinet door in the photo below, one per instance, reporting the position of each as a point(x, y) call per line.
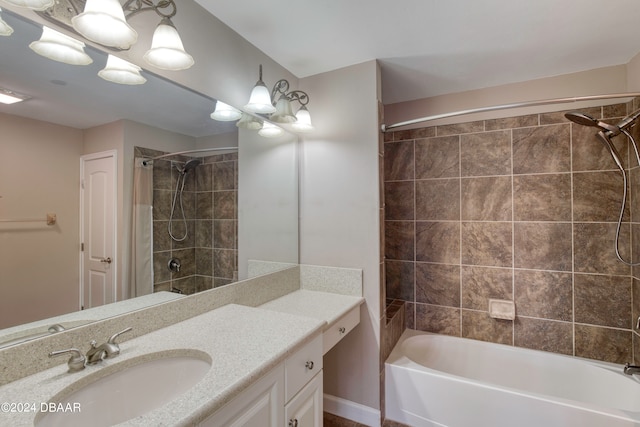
point(305, 409)
point(261, 405)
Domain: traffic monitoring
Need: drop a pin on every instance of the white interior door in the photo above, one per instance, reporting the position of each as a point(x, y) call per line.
point(98, 227)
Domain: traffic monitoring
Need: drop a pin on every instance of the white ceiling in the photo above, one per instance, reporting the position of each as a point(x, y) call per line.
point(434, 47)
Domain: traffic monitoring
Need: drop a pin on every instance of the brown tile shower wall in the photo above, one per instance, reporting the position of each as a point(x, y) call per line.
point(209, 253)
point(523, 209)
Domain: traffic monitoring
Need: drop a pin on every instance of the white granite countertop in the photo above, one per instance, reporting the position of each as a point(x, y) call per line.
point(318, 305)
point(244, 343)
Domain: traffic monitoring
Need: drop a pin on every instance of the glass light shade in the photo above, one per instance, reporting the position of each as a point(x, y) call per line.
point(225, 112)
point(5, 29)
point(249, 122)
point(60, 47)
point(260, 100)
point(167, 51)
point(121, 71)
point(270, 130)
point(32, 4)
point(303, 122)
point(103, 22)
point(283, 113)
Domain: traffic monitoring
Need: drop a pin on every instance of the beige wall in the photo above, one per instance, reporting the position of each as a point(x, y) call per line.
point(39, 170)
point(606, 80)
point(633, 74)
point(339, 213)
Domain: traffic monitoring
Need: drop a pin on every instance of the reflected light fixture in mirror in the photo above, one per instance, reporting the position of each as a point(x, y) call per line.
point(5, 29)
point(60, 47)
point(269, 130)
point(32, 4)
point(225, 112)
point(120, 71)
point(247, 121)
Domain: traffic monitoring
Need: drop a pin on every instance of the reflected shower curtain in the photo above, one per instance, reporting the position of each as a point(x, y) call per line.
point(141, 265)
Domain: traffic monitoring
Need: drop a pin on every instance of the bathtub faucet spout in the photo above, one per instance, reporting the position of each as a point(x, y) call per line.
point(631, 369)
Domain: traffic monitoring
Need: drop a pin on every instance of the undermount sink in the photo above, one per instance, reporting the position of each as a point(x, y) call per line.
point(117, 393)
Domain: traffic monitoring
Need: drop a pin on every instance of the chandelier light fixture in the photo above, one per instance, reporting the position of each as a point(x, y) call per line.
point(260, 99)
point(274, 106)
point(106, 22)
point(5, 29)
point(103, 21)
point(167, 51)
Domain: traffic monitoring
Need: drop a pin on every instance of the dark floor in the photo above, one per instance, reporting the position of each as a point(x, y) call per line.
point(331, 420)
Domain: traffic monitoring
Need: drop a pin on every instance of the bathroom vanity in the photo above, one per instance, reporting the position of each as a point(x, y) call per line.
point(245, 364)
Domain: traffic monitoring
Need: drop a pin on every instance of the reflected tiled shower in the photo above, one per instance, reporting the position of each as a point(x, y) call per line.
point(209, 254)
point(521, 208)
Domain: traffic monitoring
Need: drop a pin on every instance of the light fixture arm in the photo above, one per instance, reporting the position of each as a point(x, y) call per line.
point(298, 95)
point(133, 7)
point(281, 87)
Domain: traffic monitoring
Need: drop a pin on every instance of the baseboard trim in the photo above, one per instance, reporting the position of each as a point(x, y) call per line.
point(351, 410)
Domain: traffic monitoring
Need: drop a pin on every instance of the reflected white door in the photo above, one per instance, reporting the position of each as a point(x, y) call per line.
point(98, 225)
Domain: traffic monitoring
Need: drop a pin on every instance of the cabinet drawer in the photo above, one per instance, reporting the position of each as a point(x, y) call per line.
point(340, 328)
point(301, 366)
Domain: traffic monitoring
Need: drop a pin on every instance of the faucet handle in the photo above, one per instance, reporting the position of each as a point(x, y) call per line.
point(76, 361)
point(112, 340)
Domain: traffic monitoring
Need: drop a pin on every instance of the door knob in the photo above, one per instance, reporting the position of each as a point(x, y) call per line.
point(106, 260)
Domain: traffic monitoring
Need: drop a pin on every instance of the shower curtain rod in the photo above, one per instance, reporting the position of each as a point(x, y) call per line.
point(386, 128)
point(200, 150)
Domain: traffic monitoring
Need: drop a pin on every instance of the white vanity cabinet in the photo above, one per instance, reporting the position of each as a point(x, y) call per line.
point(289, 395)
point(260, 405)
point(305, 409)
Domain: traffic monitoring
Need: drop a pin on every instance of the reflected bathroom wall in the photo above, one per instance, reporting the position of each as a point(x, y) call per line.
point(39, 169)
point(205, 241)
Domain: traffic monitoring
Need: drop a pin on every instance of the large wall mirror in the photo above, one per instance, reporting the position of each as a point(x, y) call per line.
point(231, 200)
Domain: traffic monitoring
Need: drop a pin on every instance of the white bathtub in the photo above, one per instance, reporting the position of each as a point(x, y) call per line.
point(437, 380)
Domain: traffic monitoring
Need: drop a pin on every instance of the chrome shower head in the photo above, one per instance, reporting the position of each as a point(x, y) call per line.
point(587, 120)
point(606, 132)
point(188, 165)
point(581, 118)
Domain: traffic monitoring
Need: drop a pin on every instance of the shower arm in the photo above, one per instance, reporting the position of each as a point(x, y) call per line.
point(386, 128)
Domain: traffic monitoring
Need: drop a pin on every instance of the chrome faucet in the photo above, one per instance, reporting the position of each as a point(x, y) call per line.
point(106, 350)
point(76, 361)
point(631, 369)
